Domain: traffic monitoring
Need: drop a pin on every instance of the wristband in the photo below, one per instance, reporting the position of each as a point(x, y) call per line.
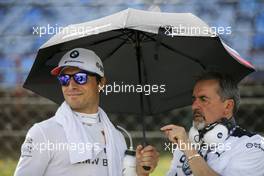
point(193, 156)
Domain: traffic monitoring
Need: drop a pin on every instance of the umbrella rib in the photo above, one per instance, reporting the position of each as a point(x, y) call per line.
point(179, 52)
point(147, 38)
point(115, 49)
point(129, 36)
point(107, 39)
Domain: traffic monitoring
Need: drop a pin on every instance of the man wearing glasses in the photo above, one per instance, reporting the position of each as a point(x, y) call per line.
point(80, 139)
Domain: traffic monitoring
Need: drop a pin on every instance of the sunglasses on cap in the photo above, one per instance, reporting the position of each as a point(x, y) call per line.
point(80, 78)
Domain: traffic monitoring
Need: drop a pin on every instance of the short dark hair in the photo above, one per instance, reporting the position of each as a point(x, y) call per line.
point(228, 87)
point(98, 78)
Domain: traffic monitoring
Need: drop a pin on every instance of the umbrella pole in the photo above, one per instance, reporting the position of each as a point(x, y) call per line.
point(139, 61)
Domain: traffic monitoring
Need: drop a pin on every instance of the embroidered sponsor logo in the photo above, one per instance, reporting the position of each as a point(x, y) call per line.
point(27, 148)
point(97, 161)
point(74, 54)
point(255, 145)
point(67, 61)
point(220, 135)
point(99, 66)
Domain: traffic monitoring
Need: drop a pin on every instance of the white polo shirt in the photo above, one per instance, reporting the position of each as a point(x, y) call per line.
point(56, 161)
point(242, 156)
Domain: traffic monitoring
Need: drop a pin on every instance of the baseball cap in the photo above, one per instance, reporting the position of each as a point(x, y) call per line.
point(82, 58)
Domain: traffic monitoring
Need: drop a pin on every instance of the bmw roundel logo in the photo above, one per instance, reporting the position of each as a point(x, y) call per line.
point(74, 54)
point(249, 145)
point(220, 135)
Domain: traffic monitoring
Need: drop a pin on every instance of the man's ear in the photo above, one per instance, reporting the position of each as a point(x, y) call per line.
point(229, 106)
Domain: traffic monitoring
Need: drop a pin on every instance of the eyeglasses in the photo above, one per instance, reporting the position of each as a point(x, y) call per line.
point(80, 78)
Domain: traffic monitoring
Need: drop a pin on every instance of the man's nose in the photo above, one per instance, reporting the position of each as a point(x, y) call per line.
point(195, 104)
point(72, 83)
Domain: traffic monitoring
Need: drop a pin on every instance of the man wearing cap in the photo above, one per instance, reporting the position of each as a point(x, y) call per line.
point(79, 139)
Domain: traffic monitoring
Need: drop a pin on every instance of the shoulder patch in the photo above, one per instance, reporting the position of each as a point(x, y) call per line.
point(27, 147)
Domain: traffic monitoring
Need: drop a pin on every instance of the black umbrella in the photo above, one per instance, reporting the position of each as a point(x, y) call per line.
point(138, 48)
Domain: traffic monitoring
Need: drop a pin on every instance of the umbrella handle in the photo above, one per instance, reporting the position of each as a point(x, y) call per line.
point(146, 168)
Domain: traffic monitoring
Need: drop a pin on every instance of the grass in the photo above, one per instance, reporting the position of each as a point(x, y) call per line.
point(7, 166)
point(163, 165)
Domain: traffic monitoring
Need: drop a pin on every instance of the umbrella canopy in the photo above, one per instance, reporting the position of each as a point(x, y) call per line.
point(137, 48)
